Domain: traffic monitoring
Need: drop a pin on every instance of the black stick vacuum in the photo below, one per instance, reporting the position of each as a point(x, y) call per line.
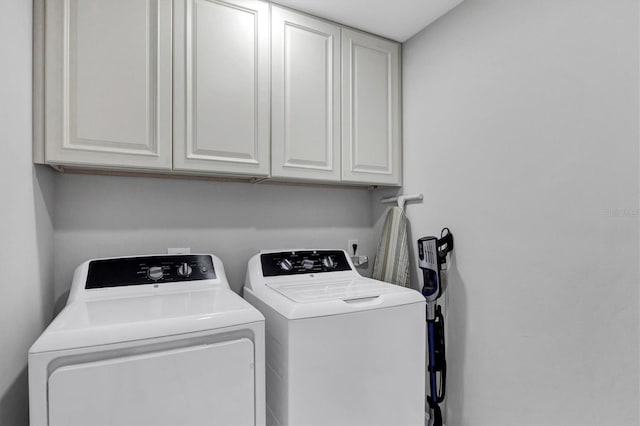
point(432, 259)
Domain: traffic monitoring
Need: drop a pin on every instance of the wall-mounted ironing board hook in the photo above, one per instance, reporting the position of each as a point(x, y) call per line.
point(402, 199)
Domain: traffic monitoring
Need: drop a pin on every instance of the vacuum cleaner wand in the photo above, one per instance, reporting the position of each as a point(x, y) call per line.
point(432, 259)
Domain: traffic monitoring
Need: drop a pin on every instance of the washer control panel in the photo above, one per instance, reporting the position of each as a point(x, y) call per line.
point(303, 262)
point(130, 271)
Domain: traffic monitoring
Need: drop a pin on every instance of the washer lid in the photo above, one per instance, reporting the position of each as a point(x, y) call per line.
point(309, 296)
point(324, 290)
point(125, 319)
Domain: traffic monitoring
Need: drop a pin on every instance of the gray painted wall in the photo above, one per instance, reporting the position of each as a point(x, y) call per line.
point(26, 231)
point(521, 129)
point(98, 216)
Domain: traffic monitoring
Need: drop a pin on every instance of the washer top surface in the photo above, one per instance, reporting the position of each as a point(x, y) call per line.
point(313, 283)
point(137, 307)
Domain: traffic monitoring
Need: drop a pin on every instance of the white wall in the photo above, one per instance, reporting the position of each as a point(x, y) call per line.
point(113, 216)
point(521, 130)
point(26, 233)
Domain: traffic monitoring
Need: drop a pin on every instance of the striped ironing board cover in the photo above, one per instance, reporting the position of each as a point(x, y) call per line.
point(392, 258)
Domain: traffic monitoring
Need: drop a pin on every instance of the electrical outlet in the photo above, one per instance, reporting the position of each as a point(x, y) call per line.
point(350, 249)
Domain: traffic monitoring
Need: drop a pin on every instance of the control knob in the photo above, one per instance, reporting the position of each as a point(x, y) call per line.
point(328, 262)
point(285, 265)
point(155, 273)
point(184, 270)
point(307, 264)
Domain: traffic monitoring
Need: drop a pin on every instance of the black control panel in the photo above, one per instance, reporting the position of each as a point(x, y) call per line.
point(149, 270)
point(303, 262)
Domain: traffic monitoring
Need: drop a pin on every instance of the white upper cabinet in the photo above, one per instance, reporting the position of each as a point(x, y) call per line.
point(108, 83)
point(221, 87)
point(371, 151)
point(214, 88)
point(306, 97)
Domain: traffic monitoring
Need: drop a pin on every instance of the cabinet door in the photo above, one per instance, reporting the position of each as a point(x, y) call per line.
point(108, 83)
point(371, 151)
point(306, 96)
point(221, 86)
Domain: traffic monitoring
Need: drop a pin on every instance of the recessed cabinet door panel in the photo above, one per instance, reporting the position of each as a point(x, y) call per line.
point(370, 110)
point(108, 83)
point(306, 92)
point(222, 95)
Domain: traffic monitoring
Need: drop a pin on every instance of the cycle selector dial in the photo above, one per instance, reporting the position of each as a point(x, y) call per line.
point(155, 273)
point(328, 262)
point(285, 265)
point(307, 264)
point(184, 270)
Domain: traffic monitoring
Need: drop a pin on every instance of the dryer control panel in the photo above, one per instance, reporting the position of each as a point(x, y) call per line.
point(128, 271)
point(303, 262)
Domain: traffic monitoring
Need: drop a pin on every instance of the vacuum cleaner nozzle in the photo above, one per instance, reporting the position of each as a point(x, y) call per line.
point(428, 262)
point(432, 258)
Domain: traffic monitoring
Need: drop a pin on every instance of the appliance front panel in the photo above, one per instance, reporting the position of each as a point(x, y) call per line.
point(211, 384)
point(365, 368)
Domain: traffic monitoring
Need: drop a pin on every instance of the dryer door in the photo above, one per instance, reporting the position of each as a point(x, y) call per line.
point(209, 384)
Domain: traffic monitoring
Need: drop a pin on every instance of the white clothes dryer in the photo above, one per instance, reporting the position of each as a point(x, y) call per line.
point(150, 340)
point(341, 349)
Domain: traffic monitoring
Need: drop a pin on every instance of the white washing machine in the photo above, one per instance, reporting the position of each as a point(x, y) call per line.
point(341, 349)
point(150, 340)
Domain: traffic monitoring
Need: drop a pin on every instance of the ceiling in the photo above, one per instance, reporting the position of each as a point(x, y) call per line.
point(395, 19)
